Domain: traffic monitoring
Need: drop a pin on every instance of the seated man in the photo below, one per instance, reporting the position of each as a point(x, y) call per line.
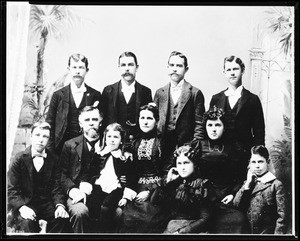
point(76, 158)
point(34, 190)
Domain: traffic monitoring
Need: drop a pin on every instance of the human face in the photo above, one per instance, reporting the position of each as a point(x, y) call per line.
point(233, 73)
point(90, 121)
point(147, 121)
point(258, 164)
point(184, 165)
point(176, 69)
point(78, 71)
point(214, 129)
point(113, 140)
point(128, 69)
point(39, 139)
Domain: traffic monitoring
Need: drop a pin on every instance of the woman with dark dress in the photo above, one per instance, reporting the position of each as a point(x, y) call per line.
point(222, 163)
point(183, 199)
point(146, 170)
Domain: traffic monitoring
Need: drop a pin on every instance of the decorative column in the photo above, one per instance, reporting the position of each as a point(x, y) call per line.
point(256, 57)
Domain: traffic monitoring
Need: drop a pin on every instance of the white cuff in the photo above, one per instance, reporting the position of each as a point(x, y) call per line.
point(86, 187)
point(129, 194)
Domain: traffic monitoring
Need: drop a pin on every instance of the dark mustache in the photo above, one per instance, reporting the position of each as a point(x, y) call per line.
point(127, 74)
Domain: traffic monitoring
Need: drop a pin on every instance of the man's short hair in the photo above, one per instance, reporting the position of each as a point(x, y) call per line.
point(79, 57)
point(176, 53)
point(90, 108)
point(41, 125)
point(128, 54)
point(237, 60)
point(261, 150)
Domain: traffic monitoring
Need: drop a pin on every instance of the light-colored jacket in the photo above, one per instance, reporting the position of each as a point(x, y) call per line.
point(265, 205)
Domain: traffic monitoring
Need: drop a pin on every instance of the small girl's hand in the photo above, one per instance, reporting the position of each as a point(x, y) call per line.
point(122, 202)
point(128, 155)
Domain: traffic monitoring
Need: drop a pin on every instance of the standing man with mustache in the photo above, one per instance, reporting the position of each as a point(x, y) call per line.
point(243, 109)
point(66, 103)
point(76, 157)
point(181, 107)
point(123, 99)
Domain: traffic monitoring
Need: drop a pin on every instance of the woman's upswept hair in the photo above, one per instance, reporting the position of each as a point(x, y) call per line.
point(214, 113)
point(153, 108)
point(191, 151)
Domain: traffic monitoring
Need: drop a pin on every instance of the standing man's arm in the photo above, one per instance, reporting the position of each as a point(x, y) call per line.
point(259, 123)
point(51, 117)
point(148, 97)
point(199, 111)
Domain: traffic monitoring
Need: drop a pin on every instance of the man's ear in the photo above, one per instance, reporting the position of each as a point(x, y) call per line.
point(186, 69)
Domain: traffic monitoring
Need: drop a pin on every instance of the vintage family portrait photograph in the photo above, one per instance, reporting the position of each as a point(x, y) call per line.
point(166, 121)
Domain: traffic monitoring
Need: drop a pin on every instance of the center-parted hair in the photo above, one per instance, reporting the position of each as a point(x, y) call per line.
point(114, 127)
point(79, 57)
point(176, 53)
point(153, 108)
point(235, 59)
point(261, 150)
point(41, 125)
point(128, 54)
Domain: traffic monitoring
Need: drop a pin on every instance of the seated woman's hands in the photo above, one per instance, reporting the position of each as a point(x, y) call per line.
point(142, 196)
point(172, 174)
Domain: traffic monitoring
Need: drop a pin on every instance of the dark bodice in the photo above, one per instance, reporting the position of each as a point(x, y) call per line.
point(223, 165)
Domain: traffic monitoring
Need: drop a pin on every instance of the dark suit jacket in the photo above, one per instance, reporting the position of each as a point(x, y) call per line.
point(71, 163)
point(57, 115)
point(110, 96)
point(189, 116)
point(249, 122)
point(20, 180)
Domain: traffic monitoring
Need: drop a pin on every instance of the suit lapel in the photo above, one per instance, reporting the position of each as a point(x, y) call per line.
point(260, 186)
point(165, 96)
point(184, 97)
point(138, 99)
point(65, 101)
point(29, 164)
point(222, 101)
point(79, 147)
point(48, 165)
point(114, 92)
point(243, 99)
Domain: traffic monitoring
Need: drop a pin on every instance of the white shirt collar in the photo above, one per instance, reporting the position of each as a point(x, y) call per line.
point(232, 92)
point(43, 153)
point(267, 177)
point(75, 89)
point(126, 87)
point(179, 85)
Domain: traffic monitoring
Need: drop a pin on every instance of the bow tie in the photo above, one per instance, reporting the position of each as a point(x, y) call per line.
point(175, 88)
point(38, 154)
